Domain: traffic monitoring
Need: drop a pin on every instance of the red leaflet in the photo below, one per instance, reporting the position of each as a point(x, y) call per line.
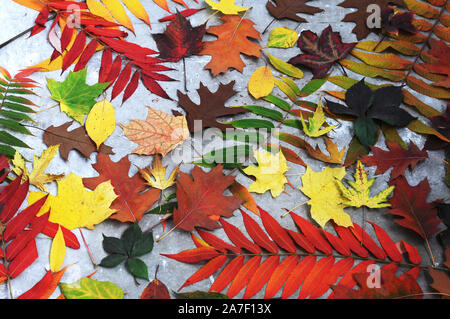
point(66, 36)
point(257, 234)
point(103, 23)
point(315, 276)
point(301, 240)
point(298, 275)
point(122, 81)
point(280, 275)
point(39, 23)
point(112, 33)
point(24, 259)
point(132, 86)
point(276, 232)
point(195, 255)
point(312, 234)
point(14, 202)
point(185, 13)
point(243, 276)
point(9, 190)
point(70, 239)
point(126, 47)
point(86, 55)
point(115, 70)
point(18, 224)
point(154, 87)
point(3, 273)
point(367, 241)
point(45, 287)
point(261, 276)
point(348, 238)
point(64, 5)
point(157, 76)
point(227, 274)
point(105, 66)
point(387, 243)
point(207, 270)
point(216, 242)
point(238, 238)
point(411, 251)
point(330, 277)
point(337, 243)
point(413, 272)
point(75, 51)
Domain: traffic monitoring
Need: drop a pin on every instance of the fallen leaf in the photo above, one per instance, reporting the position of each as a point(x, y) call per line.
point(325, 197)
point(321, 52)
point(437, 63)
point(290, 9)
point(156, 176)
point(335, 156)
point(100, 122)
point(37, 177)
point(358, 193)
point(269, 173)
point(261, 82)
point(57, 251)
point(282, 37)
point(159, 133)
point(74, 206)
point(441, 282)
point(87, 288)
point(45, 287)
point(155, 289)
point(226, 6)
point(133, 198)
point(315, 122)
point(75, 97)
point(393, 21)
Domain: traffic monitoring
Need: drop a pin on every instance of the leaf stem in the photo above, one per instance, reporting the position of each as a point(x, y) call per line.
point(87, 247)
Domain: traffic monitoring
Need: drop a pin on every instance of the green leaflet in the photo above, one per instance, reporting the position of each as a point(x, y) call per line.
point(263, 111)
point(76, 98)
point(87, 288)
point(285, 67)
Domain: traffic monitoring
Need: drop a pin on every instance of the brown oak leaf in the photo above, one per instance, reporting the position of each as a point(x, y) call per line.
point(201, 200)
point(212, 106)
point(76, 139)
point(132, 202)
point(288, 9)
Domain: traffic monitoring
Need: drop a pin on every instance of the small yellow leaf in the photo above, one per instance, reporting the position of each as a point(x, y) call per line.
point(282, 37)
point(97, 8)
point(226, 6)
point(101, 122)
point(58, 251)
point(137, 9)
point(261, 82)
point(159, 175)
point(315, 122)
point(118, 12)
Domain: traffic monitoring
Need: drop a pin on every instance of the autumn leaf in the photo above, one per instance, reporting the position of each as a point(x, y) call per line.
point(233, 39)
point(156, 176)
point(441, 282)
point(315, 122)
point(88, 288)
point(74, 206)
point(289, 9)
point(269, 173)
point(100, 122)
point(320, 53)
point(325, 197)
point(133, 198)
point(436, 62)
point(397, 157)
point(155, 289)
point(76, 139)
point(75, 97)
point(159, 133)
point(212, 106)
point(367, 105)
point(45, 287)
point(202, 196)
point(225, 6)
point(180, 39)
point(358, 193)
point(261, 82)
point(335, 156)
point(37, 177)
point(282, 37)
point(57, 251)
point(393, 21)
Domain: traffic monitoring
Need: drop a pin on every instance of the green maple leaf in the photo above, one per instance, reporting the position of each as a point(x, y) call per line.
point(358, 193)
point(315, 123)
point(75, 97)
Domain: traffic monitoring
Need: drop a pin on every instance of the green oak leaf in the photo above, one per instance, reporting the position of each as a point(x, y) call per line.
point(87, 288)
point(75, 96)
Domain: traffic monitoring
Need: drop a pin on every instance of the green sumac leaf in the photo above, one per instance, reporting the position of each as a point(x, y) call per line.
point(233, 154)
point(252, 123)
point(137, 268)
point(282, 104)
point(312, 86)
point(285, 67)
point(112, 260)
point(14, 126)
point(7, 138)
point(87, 288)
point(16, 115)
point(7, 151)
point(18, 107)
point(263, 111)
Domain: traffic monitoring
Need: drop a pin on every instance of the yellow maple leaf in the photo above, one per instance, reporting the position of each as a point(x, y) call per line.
point(37, 177)
point(159, 133)
point(325, 197)
point(269, 173)
point(358, 193)
point(225, 6)
point(156, 176)
point(315, 123)
point(75, 206)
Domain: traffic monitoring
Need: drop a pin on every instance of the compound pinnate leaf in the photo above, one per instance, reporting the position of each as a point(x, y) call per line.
point(87, 288)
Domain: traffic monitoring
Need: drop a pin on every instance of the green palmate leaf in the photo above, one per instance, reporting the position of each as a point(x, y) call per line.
point(358, 193)
point(282, 37)
point(200, 295)
point(285, 67)
point(113, 245)
point(76, 98)
point(137, 268)
point(87, 288)
point(131, 236)
point(143, 246)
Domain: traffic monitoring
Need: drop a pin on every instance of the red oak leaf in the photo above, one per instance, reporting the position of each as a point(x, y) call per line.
point(321, 52)
point(131, 204)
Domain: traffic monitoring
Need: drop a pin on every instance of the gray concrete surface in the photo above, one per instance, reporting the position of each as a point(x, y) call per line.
point(28, 51)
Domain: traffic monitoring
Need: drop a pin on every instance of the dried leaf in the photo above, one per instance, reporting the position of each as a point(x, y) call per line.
point(100, 122)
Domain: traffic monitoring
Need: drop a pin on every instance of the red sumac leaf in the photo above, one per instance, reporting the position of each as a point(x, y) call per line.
point(261, 276)
point(315, 276)
point(227, 274)
point(298, 275)
point(194, 255)
point(154, 87)
point(276, 232)
point(115, 70)
point(257, 234)
point(280, 275)
point(70, 239)
point(122, 80)
point(367, 241)
point(105, 66)
point(312, 234)
point(301, 241)
point(387, 243)
point(75, 51)
point(45, 287)
point(216, 242)
point(86, 55)
point(132, 86)
point(243, 276)
point(238, 238)
point(207, 270)
point(337, 243)
point(24, 259)
point(411, 251)
point(14, 201)
point(346, 235)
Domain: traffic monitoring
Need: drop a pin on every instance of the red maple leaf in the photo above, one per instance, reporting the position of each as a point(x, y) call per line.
point(396, 157)
point(201, 199)
point(131, 204)
point(321, 52)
